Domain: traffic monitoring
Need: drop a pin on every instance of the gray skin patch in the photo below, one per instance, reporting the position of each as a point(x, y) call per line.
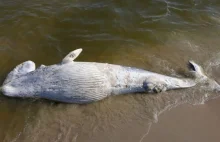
point(72, 55)
point(154, 88)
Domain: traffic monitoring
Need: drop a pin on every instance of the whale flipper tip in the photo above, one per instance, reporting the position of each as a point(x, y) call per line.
point(72, 56)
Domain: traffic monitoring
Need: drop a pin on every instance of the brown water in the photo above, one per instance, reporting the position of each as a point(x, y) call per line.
point(156, 35)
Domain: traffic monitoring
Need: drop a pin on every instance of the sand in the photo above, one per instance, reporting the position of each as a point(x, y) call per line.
point(188, 123)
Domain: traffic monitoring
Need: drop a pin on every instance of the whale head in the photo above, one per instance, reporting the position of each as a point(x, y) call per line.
point(19, 70)
point(11, 86)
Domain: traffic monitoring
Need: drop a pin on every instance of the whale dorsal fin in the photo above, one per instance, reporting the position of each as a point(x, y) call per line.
point(71, 56)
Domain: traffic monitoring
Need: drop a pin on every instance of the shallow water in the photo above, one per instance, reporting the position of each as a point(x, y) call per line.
point(156, 35)
point(198, 123)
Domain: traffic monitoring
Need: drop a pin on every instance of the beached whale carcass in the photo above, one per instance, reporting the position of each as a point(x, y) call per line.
point(83, 82)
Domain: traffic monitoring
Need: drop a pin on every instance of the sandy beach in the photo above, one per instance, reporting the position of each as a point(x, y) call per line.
point(188, 123)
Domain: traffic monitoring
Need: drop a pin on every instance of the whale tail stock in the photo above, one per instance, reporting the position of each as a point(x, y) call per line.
point(156, 85)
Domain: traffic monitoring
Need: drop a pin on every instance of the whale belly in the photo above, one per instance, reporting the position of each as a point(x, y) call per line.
point(77, 83)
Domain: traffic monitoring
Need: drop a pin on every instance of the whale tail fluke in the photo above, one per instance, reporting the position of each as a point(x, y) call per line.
point(200, 76)
point(196, 70)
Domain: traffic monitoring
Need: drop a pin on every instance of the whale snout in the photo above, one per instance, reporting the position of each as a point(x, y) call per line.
point(9, 91)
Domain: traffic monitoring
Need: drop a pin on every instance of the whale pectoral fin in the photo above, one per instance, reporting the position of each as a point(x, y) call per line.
point(71, 56)
point(19, 70)
point(154, 87)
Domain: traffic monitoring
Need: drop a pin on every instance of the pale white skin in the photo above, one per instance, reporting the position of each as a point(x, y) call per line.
point(84, 82)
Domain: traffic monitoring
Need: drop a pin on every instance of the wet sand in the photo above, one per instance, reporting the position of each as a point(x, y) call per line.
point(188, 123)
